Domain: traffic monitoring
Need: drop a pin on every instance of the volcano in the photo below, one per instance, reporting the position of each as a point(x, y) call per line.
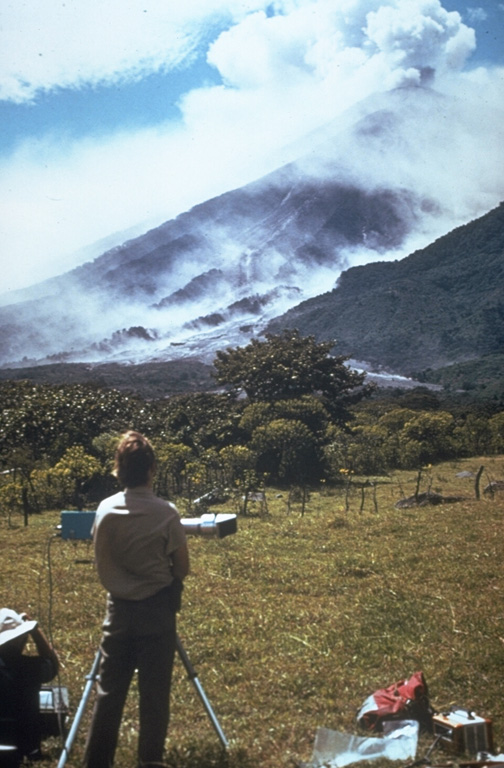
point(375, 185)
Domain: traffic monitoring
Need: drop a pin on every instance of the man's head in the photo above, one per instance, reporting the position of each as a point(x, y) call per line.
point(14, 630)
point(134, 460)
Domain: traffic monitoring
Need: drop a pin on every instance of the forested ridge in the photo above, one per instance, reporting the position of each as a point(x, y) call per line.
point(307, 419)
point(436, 316)
point(149, 380)
point(440, 306)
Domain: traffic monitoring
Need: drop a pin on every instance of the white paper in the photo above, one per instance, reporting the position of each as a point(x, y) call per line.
point(333, 749)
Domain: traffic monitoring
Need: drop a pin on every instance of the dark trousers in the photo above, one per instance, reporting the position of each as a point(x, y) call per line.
point(137, 635)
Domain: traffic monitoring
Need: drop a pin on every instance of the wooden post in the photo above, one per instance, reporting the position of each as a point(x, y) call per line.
point(477, 482)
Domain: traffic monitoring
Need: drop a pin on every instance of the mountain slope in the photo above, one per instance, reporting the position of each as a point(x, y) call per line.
point(441, 304)
point(372, 186)
point(256, 266)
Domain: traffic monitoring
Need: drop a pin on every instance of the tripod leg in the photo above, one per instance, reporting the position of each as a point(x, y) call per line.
point(80, 711)
point(191, 674)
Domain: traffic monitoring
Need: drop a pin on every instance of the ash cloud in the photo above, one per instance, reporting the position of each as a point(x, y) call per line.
point(371, 93)
point(286, 69)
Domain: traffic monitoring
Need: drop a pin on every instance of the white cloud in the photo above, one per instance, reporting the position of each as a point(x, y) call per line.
point(285, 75)
point(51, 44)
point(477, 14)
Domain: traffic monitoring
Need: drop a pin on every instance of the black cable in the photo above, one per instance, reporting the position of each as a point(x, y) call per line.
point(50, 582)
point(59, 704)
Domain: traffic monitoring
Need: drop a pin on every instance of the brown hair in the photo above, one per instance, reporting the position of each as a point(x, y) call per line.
point(134, 459)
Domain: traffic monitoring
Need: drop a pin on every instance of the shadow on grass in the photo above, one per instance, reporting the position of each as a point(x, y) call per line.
point(193, 756)
point(203, 756)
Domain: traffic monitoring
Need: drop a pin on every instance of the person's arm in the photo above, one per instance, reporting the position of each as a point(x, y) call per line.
point(180, 562)
point(43, 646)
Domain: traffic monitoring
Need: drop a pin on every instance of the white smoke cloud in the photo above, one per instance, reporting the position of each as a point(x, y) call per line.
point(287, 68)
point(287, 75)
point(419, 36)
point(316, 39)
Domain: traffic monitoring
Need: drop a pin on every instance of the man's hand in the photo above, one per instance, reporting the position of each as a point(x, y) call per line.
point(44, 647)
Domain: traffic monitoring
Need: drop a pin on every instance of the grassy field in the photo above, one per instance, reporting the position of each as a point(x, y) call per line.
point(294, 620)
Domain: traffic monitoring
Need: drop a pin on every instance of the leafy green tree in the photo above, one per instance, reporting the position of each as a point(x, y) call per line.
point(172, 460)
point(104, 447)
point(286, 451)
point(401, 437)
point(45, 420)
point(12, 495)
point(474, 435)
point(429, 436)
point(200, 421)
point(366, 454)
point(497, 431)
point(68, 482)
point(237, 461)
point(307, 409)
point(287, 366)
point(390, 426)
point(393, 421)
point(256, 415)
point(336, 451)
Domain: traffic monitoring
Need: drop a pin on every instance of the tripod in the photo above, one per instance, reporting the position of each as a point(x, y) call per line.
point(91, 678)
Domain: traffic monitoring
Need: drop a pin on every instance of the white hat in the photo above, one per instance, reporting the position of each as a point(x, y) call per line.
point(13, 624)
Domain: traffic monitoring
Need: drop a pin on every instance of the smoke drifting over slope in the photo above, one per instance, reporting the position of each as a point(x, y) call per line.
point(275, 72)
point(390, 176)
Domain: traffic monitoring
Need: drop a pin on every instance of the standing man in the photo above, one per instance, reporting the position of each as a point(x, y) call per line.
point(142, 559)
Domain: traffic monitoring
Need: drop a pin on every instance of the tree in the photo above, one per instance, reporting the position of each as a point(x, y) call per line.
point(474, 435)
point(497, 430)
point(172, 460)
point(237, 462)
point(47, 419)
point(287, 366)
point(68, 482)
point(286, 451)
point(200, 420)
point(307, 409)
point(426, 438)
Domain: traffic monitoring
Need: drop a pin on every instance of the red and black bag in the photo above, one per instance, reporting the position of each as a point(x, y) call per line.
point(404, 700)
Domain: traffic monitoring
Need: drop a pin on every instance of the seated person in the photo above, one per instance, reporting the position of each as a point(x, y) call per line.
point(21, 678)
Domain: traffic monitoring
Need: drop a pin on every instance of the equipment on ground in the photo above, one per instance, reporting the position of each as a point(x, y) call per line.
point(210, 526)
point(462, 731)
point(53, 708)
point(77, 525)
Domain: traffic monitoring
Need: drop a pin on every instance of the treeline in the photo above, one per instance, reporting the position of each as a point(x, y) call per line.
point(305, 418)
point(440, 304)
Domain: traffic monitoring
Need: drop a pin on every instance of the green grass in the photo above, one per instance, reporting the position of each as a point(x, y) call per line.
point(294, 620)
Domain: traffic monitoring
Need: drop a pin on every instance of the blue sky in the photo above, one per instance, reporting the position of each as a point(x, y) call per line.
point(117, 115)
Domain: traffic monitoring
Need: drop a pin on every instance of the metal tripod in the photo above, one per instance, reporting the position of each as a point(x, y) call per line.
point(91, 678)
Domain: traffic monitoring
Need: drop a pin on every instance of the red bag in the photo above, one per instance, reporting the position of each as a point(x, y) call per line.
point(404, 700)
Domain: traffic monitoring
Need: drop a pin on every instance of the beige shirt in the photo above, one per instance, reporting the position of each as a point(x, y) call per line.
point(135, 532)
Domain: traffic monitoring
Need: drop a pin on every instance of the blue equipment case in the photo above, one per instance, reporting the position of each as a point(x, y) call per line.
point(76, 525)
